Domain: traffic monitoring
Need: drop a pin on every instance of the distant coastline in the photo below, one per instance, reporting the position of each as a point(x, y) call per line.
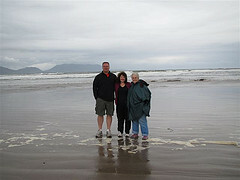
point(86, 68)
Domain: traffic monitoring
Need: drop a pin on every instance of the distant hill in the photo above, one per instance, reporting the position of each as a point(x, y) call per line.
point(75, 68)
point(27, 70)
point(4, 70)
point(63, 68)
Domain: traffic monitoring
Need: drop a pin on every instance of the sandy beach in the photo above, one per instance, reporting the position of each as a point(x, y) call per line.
point(49, 134)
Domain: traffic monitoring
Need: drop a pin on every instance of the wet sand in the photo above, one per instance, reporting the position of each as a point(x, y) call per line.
point(49, 134)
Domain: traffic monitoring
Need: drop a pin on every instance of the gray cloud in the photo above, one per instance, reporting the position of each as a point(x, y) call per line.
point(130, 34)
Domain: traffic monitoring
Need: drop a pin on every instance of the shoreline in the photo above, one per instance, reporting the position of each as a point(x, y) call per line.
point(152, 84)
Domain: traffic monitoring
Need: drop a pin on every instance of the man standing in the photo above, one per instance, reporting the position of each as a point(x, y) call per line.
point(103, 90)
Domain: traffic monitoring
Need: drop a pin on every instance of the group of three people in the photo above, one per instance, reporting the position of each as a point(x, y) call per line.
point(132, 102)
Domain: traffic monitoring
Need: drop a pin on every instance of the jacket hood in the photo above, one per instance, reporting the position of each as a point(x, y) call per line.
point(142, 82)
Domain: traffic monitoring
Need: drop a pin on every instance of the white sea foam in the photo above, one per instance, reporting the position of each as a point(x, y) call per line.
point(178, 149)
point(221, 142)
point(157, 143)
point(47, 76)
point(87, 140)
point(14, 145)
point(40, 129)
point(31, 139)
point(190, 143)
point(125, 147)
point(24, 139)
point(132, 152)
point(83, 144)
point(21, 141)
point(57, 135)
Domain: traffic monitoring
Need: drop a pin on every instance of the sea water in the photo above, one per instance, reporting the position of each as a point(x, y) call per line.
point(84, 80)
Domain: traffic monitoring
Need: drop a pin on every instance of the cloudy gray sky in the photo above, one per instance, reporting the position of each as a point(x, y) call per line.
point(130, 34)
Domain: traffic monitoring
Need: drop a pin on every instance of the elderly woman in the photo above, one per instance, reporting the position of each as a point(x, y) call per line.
point(138, 103)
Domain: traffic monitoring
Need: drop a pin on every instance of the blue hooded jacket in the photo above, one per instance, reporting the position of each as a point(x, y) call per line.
point(138, 101)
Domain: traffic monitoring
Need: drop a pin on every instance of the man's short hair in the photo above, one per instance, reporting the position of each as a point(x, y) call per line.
point(105, 63)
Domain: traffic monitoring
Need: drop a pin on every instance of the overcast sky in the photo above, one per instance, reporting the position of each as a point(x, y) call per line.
point(130, 34)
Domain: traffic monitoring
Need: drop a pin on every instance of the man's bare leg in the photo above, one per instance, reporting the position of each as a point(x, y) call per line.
point(100, 122)
point(109, 122)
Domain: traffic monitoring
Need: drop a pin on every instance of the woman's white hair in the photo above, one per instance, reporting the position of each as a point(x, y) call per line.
point(135, 74)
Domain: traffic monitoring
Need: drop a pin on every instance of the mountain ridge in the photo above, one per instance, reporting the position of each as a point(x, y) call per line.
point(62, 68)
point(74, 68)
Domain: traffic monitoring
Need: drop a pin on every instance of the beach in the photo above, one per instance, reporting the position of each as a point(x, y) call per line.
point(48, 132)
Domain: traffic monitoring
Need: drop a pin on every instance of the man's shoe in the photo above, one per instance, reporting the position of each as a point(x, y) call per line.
point(127, 135)
point(108, 134)
point(99, 134)
point(134, 136)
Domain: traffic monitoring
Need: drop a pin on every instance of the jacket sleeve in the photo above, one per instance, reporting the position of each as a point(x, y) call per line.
point(147, 94)
point(147, 106)
point(95, 88)
point(146, 98)
point(144, 94)
point(116, 92)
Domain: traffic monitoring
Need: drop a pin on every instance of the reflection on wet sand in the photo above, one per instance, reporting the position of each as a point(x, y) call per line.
point(106, 163)
point(130, 157)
